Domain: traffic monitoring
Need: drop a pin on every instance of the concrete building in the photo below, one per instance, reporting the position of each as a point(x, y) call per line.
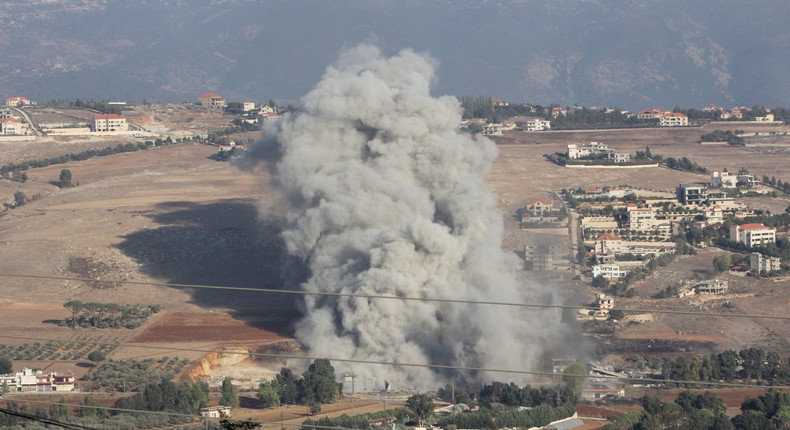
point(641, 218)
point(212, 101)
point(650, 114)
point(746, 180)
point(608, 243)
point(723, 179)
point(692, 194)
point(751, 235)
point(600, 391)
point(109, 122)
point(493, 129)
point(216, 412)
point(585, 150)
point(620, 157)
point(33, 381)
point(544, 257)
point(759, 263)
point(609, 271)
point(767, 118)
point(673, 119)
point(713, 286)
point(714, 215)
point(537, 124)
point(539, 206)
point(247, 106)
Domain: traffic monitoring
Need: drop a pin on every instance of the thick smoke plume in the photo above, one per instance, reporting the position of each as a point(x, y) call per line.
point(389, 198)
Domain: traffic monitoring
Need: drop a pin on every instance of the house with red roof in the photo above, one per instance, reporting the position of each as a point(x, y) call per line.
point(754, 234)
point(539, 206)
point(13, 126)
point(17, 101)
point(212, 101)
point(608, 243)
point(673, 119)
point(500, 102)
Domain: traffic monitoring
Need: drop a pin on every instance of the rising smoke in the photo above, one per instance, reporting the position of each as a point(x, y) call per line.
point(387, 197)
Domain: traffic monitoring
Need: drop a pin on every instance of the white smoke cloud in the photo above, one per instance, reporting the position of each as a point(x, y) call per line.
point(388, 198)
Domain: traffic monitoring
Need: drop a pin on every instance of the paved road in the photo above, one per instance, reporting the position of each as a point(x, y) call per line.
point(33, 126)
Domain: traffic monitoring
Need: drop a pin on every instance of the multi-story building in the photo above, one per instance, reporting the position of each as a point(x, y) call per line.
point(537, 124)
point(585, 150)
point(751, 235)
point(620, 157)
point(539, 206)
point(212, 101)
point(650, 114)
point(746, 180)
point(493, 129)
point(713, 286)
point(723, 179)
point(673, 119)
point(759, 263)
point(29, 380)
point(608, 271)
point(17, 101)
point(13, 126)
point(714, 215)
point(109, 122)
point(547, 257)
point(641, 218)
point(247, 106)
point(692, 193)
point(608, 243)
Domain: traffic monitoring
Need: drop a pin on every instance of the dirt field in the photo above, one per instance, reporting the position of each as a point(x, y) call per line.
point(172, 215)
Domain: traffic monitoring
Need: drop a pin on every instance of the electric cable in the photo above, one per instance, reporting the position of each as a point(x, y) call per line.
point(402, 298)
point(393, 364)
point(45, 420)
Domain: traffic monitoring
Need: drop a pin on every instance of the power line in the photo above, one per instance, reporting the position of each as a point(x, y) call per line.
point(403, 298)
point(393, 364)
point(45, 420)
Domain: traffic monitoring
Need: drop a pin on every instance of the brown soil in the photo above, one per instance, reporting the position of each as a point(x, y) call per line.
point(204, 327)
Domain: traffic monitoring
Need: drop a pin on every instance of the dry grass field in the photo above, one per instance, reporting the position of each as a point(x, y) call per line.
point(173, 215)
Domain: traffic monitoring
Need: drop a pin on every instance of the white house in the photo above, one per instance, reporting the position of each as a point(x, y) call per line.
point(755, 234)
point(29, 380)
point(247, 106)
point(17, 101)
point(723, 179)
point(608, 271)
point(109, 122)
point(763, 263)
point(13, 126)
point(494, 129)
point(537, 124)
point(673, 119)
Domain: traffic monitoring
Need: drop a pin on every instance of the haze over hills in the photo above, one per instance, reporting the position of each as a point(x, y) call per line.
point(631, 54)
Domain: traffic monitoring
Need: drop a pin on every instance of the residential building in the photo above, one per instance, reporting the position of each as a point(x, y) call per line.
point(640, 218)
point(216, 412)
point(760, 263)
point(212, 101)
point(544, 257)
point(723, 179)
point(714, 215)
point(608, 271)
point(673, 119)
point(712, 108)
point(500, 103)
point(621, 157)
point(713, 286)
point(109, 122)
point(557, 111)
point(17, 101)
point(650, 114)
point(751, 235)
point(537, 124)
point(539, 206)
point(767, 118)
point(269, 116)
point(13, 126)
point(493, 129)
point(7, 113)
point(605, 304)
point(600, 391)
point(247, 106)
point(692, 194)
point(584, 150)
point(746, 180)
point(29, 380)
point(608, 243)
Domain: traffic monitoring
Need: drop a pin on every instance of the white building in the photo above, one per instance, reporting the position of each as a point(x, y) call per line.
point(767, 118)
point(13, 126)
point(537, 124)
point(247, 106)
point(494, 129)
point(608, 271)
point(216, 412)
point(714, 215)
point(747, 180)
point(760, 263)
point(641, 218)
point(608, 243)
point(29, 380)
point(713, 286)
point(17, 101)
point(673, 119)
point(752, 235)
point(109, 122)
point(723, 179)
point(584, 150)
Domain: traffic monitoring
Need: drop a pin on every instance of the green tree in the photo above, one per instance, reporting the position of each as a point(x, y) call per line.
point(6, 366)
point(320, 384)
point(19, 198)
point(421, 405)
point(97, 356)
point(230, 394)
point(616, 314)
point(65, 178)
point(574, 376)
point(720, 263)
point(269, 394)
point(600, 282)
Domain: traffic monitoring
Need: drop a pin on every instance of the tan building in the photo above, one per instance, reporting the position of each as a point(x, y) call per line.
point(760, 263)
point(109, 122)
point(216, 412)
point(537, 124)
point(752, 235)
point(31, 381)
point(247, 106)
point(212, 101)
point(13, 126)
point(673, 119)
point(608, 243)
